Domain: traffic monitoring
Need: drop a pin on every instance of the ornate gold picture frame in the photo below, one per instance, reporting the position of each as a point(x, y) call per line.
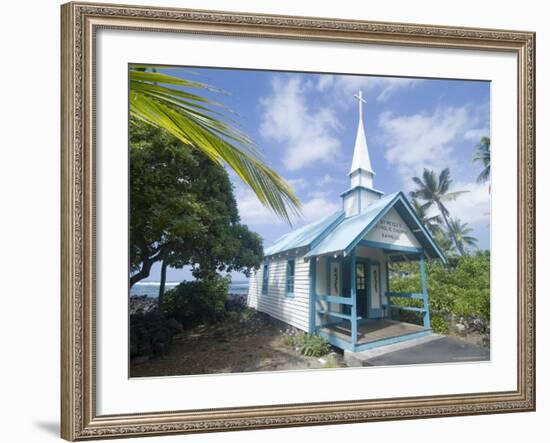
point(80, 22)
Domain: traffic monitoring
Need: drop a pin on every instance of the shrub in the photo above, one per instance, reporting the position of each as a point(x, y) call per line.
point(439, 324)
point(196, 302)
point(150, 334)
point(309, 345)
point(460, 288)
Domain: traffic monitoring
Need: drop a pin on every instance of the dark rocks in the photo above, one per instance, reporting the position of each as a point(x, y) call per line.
point(141, 304)
point(150, 333)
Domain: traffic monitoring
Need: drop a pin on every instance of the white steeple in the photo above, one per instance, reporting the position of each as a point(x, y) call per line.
point(361, 192)
point(361, 172)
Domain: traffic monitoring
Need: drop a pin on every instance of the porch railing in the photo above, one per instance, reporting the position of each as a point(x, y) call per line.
point(411, 296)
point(346, 301)
point(424, 310)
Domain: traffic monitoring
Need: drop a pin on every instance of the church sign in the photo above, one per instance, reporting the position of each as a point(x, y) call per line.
point(393, 230)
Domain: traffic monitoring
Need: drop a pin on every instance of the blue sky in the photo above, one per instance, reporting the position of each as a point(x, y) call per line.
point(305, 125)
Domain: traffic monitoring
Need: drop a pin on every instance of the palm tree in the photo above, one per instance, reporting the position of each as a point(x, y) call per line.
point(460, 231)
point(431, 222)
point(444, 241)
point(483, 154)
point(435, 191)
point(167, 102)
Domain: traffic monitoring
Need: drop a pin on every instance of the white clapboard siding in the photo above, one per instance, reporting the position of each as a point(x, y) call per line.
point(292, 310)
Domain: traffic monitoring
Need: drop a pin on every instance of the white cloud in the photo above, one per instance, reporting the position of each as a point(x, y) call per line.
point(252, 212)
point(325, 81)
point(472, 207)
point(296, 183)
point(318, 207)
point(381, 87)
point(307, 134)
point(476, 134)
point(418, 141)
point(325, 180)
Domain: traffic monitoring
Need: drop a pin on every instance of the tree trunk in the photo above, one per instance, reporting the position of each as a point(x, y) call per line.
point(458, 248)
point(160, 300)
point(143, 273)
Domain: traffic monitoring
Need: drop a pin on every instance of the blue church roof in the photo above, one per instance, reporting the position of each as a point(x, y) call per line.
point(303, 236)
point(339, 234)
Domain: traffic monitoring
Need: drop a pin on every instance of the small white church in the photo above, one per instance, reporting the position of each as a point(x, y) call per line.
point(331, 277)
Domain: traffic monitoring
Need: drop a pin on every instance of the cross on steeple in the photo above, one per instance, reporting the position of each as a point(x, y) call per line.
point(360, 101)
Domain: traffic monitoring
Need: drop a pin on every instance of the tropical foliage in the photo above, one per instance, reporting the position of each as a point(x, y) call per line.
point(461, 290)
point(310, 345)
point(460, 232)
point(482, 154)
point(175, 105)
point(435, 191)
point(196, 302)
point(432, 222)
point(182, 210)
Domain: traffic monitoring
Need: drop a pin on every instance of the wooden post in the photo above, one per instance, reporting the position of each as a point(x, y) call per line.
point(388, 309)
point(313, 295)
point(425, 292)
point(354, 301)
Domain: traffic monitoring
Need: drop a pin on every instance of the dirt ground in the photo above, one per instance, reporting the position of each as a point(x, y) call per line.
point(243, 342)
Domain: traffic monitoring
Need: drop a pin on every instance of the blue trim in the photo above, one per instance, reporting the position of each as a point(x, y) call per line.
point(336, 341)
point(312, 300)
point(360, 169)
point(416, 295)
point(374, 221)
point(288, 282)
point(336, 314)
point(378, 312)
point(425, 292)
point(412, 213)
point(354, 299)
point(408, 308)
point(265, 278)
point(388, 310)
point(366, 188)
point(399, 197)
point(334, 299)
point(348, 346)
point(389, 246)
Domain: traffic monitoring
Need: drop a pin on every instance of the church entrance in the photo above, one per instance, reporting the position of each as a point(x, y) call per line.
point(361, 288)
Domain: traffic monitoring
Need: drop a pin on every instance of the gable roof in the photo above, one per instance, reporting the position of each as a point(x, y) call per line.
point(337, 234)
point(350, 231)
point(303, 236)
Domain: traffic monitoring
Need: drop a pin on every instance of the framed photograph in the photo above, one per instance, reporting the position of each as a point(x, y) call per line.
point(277, 221)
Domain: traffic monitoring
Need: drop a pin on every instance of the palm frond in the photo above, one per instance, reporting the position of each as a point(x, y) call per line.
point(451, 196)
point(482, 154)
point(189, 117)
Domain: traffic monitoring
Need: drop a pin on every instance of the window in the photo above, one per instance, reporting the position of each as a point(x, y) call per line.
point(290, 278)
point(265, 278)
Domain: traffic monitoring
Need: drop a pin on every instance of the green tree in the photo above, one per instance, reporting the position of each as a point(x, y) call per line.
point(460, 232)
point(435, 190)
point(432, 222)
point(445, 242)
point(182, 210)
point(482, 154)
point(167, 102)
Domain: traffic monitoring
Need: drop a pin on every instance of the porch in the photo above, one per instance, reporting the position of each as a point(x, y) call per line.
point(372, 333)
point(353, 308)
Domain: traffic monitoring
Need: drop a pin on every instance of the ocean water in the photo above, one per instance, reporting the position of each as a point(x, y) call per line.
point(151, 288)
